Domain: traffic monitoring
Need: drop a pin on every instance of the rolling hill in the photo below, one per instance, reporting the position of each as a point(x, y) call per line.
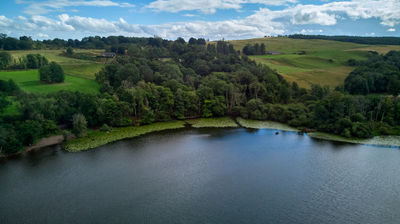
point(309, 62)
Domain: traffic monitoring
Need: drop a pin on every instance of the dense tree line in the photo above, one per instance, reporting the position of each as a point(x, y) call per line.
point(190, 80)
point(11, 43)
point(255, 49)
point(353, 39)
point(378, 74)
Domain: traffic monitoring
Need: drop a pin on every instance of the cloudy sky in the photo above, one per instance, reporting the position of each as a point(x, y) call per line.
point(210, 19)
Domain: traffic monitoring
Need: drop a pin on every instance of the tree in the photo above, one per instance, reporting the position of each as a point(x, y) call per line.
point(3, 103)
point(79, 125)
point(52, 73)
point(5, 59)
point(262, 49)
point(69, 51)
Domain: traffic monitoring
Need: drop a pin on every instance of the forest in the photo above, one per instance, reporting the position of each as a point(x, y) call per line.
point(160, 80)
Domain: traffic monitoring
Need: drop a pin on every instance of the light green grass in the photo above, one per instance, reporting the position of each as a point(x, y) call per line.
point(325, 61)
point(72, 66)
point(220, 122)
point(247, 123)
point(387, 141)
point(98, 138)
point(28, 80)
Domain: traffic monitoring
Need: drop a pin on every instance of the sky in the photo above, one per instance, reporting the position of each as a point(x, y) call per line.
point(209, 19)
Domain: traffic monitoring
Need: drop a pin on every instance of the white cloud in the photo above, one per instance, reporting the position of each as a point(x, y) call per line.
point(42, 35)
point(189, 15)
point(4, 21)
point(391, 30)
point(262, 22)
point(208, 6)
point(40, 8)
point(304, 31)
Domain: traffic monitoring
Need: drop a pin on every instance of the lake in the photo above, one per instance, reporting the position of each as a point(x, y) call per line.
point(204, 176)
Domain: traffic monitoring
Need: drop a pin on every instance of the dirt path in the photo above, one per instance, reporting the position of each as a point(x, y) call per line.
point(53, 140)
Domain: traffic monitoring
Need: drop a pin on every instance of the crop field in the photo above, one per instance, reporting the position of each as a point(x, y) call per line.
point(28, 80)
point(310, 62)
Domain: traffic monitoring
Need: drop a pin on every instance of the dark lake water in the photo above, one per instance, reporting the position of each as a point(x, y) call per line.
point(205, 176)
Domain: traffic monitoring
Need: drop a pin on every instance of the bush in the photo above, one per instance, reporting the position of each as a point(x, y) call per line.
point(52, 73)
point(79, 125)
point(69, 51)
point(105, 128)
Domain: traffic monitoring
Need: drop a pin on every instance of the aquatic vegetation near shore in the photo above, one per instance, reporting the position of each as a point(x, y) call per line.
point(264, 125)
point(387, 141)
point(220, 122)
point(99, 138)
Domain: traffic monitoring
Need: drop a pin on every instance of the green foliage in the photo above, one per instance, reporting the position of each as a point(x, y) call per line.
point(256, 49)
point(52, 73)
point(34, 61)
point(9, 140)
point(79, 125)
point(3, 103)
point(69, 51)
point(5, 59)
point(379, 74)
point(105, 128)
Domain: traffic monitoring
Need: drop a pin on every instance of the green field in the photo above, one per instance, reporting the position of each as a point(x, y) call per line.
point(28, 80)
point(324, 61)
point(72, 66)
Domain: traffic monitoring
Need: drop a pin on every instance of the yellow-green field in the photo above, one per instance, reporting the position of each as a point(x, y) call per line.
point(72, 66)
point(324, 61)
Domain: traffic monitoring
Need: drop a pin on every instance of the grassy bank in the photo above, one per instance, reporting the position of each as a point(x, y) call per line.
point(264, 125)
point(98, 138)
point(220, 122)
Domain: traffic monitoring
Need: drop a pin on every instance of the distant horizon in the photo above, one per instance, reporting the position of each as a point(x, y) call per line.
point(208, 40)
point(208, 19)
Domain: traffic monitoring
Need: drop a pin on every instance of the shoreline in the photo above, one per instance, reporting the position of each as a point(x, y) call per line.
point(97, 138)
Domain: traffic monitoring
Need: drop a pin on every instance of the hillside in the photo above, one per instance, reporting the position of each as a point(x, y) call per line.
point(72, 66)
point(324, 61)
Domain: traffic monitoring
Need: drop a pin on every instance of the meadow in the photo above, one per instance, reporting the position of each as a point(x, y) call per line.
point(310, 62)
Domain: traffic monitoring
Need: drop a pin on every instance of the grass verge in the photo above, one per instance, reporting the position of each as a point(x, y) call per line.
point(264, 125)
point(220, 122)
point(98, 138)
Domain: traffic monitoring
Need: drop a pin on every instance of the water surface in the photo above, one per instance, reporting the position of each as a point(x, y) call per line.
point(204, 176)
